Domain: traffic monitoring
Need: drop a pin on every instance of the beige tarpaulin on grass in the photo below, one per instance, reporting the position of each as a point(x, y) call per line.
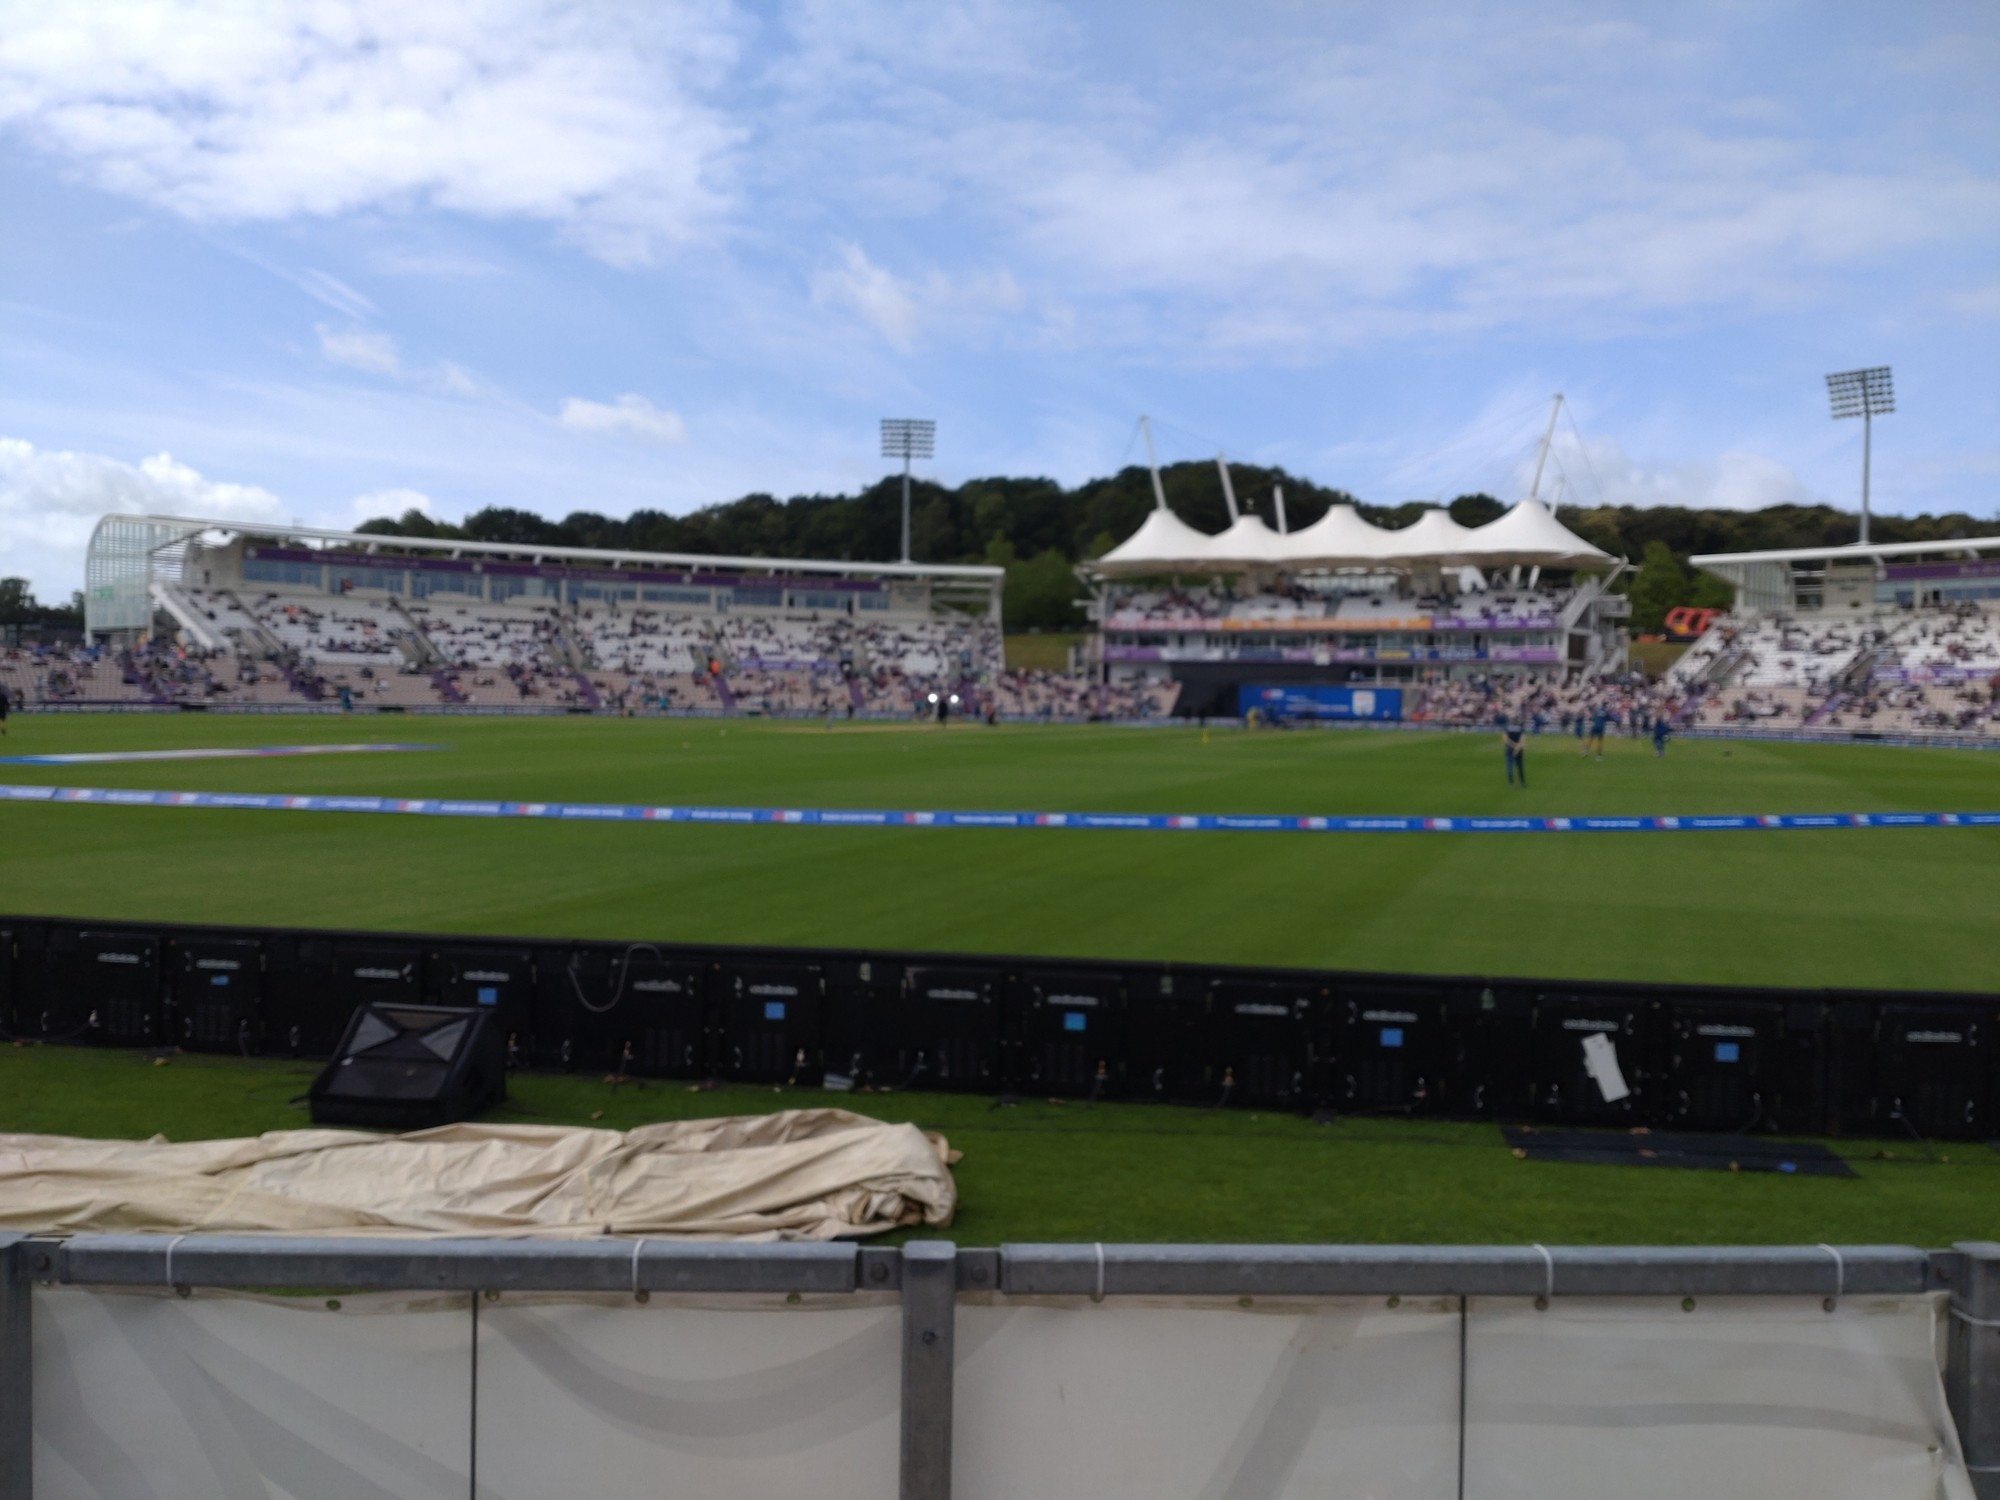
point(802, 1174)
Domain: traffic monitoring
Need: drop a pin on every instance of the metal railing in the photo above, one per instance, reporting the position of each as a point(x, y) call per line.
point(931, 1278)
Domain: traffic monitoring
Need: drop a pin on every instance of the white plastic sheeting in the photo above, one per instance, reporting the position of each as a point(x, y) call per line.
point(1738, 1399)
point(147, 1396)
point(1070, 1401)
point(721, 1397)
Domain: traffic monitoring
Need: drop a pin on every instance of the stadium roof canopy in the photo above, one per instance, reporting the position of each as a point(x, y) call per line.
point(1766, 580)
point(127, 553)
point(1161, 542)
point(1527, 535)
point(1970, 546)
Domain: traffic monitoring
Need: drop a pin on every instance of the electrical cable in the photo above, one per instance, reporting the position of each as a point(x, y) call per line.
point(1584, 448)
point(624, 974)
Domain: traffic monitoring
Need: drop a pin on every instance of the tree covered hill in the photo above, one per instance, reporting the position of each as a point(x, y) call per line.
point(1038, 529)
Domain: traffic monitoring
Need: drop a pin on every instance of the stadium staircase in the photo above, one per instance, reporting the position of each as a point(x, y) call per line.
point(418, 648)
point(447, 688)
point(1862, 672)
point(1724, 667)
point(586, 689)
point(569, 649)
point(1579, 600)
point(722, 692)
point(183, 613)
point(1608, 662)
point(855, 696)
point(266, 642)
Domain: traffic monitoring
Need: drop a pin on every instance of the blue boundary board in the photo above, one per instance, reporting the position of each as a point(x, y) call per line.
point(841, 817)
point(255, 752)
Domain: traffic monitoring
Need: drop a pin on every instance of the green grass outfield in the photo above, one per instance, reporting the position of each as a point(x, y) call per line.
point(1891, 907)
point(1040, 1171)
point(1868, 907)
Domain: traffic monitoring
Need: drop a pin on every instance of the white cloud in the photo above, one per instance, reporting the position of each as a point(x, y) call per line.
point(456, 380)
point(1600, 472)
point(1980, 302)
point(881, 300)
point(360, 349)
point(593, 119)
point(440, 263)
point(1283, 182)
point(1335, 177)
point(324, 286)
point(390, 502)
point(629, 414)
point(50, 501)
point(903, 309)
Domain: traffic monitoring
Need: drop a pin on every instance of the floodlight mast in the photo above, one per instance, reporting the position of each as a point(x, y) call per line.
point(907, 438)
point(1866, 394)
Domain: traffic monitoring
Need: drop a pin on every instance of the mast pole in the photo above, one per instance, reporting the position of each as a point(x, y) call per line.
point(906, 503)
point(1535, 489)
point(1278, 495)
point(1153, 465)
point(1867, 425)
point(1228, 489)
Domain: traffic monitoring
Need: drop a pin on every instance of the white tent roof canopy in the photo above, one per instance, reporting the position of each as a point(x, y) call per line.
point(1248, 542)
point(1340, 534)
point(1162, 542)
point(1528, 535)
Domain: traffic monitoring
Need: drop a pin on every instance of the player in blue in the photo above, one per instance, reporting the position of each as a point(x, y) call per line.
point(1513, 739)
point(1661, 729)
point(1599, 717)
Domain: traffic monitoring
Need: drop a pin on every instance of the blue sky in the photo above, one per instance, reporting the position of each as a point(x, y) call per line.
point(323, 261)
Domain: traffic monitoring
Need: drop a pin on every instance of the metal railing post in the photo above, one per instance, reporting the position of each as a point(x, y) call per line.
point(17, 1407)
point(930, 1295)
point(1972, 1365)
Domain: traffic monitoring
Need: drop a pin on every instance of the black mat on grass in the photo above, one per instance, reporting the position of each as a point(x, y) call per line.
point(1711, 1153)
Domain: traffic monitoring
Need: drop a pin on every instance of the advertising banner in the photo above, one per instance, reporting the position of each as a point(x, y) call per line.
point(1312, 700)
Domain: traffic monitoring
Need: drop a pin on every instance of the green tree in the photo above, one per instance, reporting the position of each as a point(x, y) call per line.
point(1657, 587)
point(1041, 593)
point(1038, 515)
point(1476, 510)
point(411, 522)
point(1710, 592)
point(17, 601)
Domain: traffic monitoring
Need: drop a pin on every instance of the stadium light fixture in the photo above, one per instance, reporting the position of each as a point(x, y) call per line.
point(907, 438)
point(1866, 394)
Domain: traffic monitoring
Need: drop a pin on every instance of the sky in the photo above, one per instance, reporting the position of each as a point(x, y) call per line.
point(338, 258)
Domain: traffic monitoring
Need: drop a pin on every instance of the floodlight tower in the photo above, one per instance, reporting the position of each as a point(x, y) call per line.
point(1866, 394)
point(907, 438)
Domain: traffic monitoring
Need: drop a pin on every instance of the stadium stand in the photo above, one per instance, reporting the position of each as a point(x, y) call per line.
point(1901, 671)
point(231, 617)
point(228, 616)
